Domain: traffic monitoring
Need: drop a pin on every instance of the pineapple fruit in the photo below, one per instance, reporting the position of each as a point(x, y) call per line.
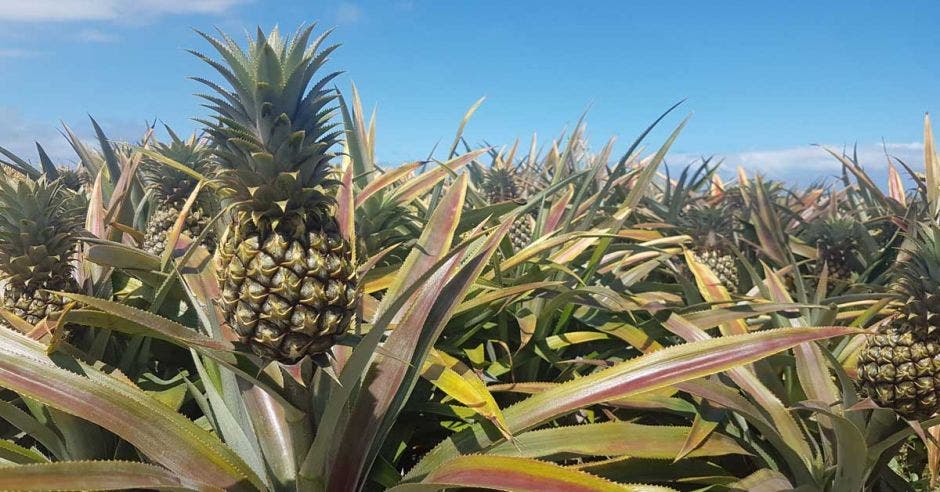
point(171, 188)
point(836, 242)
point(39, 230)
point(899, 367)
point(712, 230)
point(286, 273)
point(502, 183)
point(74, 179)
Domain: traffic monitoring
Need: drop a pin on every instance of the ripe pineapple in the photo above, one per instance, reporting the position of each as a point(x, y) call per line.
point(502, 183)
point(171, 188)
point(39, 229)
point(286, 273)
point(712, 230)
point(836, 242)
point(899, 367)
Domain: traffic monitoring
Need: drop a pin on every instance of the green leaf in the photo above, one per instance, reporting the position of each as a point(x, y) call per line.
point(91, 475)
point(34, 428)
point(516, 474)
point(392, 377)
point(418, 185)
point(178, 166)
point(764, 480)
point(613, 439)
point(462, 384)
point(811, 369)
point(161, 434)
point(750, 383)
point(851, 449)
point(10, 451)
point(128, 319)
point(658, 471)
point(649, 372)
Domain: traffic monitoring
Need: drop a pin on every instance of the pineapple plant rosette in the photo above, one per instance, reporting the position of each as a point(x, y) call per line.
point(286, 272)
point(172, 187)
point(712, 230)
point(40, 224)
point(836, 242)
point(501, 183)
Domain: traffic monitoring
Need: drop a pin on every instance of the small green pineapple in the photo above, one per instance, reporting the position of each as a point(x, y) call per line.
point(836, 242)
point(171, 188)
point(502, 183)
point(39, 231)
point(712, 230)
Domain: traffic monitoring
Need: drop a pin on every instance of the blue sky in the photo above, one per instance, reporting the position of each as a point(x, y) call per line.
point(763, 84)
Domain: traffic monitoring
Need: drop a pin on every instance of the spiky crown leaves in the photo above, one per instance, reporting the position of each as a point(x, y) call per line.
point(171, 185)
point(832, 233)
point(73, 179)
point(273, 128)
point(710, 226)
point(919, 275)
point(39, 229)
point(500, 184)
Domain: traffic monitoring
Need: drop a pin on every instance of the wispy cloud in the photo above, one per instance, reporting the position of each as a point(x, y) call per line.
point(348, 13)
point(96, 36)
point(17, 53)
point(807, 163)
point(106, 10)
point(19, 134)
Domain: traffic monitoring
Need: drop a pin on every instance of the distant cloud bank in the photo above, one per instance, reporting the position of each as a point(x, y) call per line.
point(106, 10)
point(806, 163)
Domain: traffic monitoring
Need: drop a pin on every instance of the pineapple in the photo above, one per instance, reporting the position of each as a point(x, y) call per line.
point(502, 183)
point(836, 241)
point(39, 230)
point(74, 179)
point(171, 188)
point(712, 230)
point(899, 367)
point(286, 273)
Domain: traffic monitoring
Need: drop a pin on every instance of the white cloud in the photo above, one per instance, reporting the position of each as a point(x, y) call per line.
point(96, 36)
point(106, 10)
point(809, 162)
point(19, 135)
point(17, 53)
point(348, 13)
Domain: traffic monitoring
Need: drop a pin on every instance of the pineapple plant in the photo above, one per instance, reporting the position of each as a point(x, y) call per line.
point(836, 242)
point(172, 187)
point(502, 183)
point(899, 367)
point(712, 230)
point(74, 179)
point(39, 230)
point(286, 273)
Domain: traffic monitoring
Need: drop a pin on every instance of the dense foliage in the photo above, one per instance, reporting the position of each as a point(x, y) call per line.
point(262, 306)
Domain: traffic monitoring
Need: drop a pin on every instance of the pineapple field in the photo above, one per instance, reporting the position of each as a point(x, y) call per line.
point(260, 305)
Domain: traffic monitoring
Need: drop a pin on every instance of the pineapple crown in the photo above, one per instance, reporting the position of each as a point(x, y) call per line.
point(272, 128)
point(500, 184)
point(171, 185)
point(73, 179)
point(39, 230)
point(832, 233)
point(711, 226)
point(918, 276)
